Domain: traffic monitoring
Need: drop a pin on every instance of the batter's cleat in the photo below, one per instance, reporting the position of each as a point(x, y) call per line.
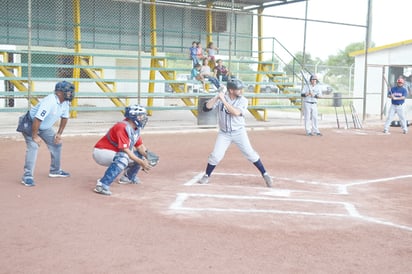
point(268, 180)
point(28, 182)
point(309, 134)
point(59, 174)
point(124, 180)
point(319, 134)
point(102, 189)
point(204, 180)
point(405, 132)
point(386, 131)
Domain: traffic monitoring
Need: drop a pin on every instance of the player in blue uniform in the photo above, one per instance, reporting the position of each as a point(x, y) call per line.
point(398, 95)
point(44, 115)
point(232, 107)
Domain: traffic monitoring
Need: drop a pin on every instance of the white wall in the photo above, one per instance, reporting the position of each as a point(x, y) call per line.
point(395, 56)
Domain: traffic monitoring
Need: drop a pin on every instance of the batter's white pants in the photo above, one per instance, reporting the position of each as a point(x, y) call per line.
point(240, 139)
point(310, 113)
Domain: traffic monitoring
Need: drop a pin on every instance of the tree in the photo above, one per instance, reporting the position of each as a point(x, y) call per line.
point(296, 65)
point(342, 59)
point(338, 66)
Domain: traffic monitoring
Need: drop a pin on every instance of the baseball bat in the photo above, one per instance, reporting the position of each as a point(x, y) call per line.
point(353, 116)
point(357, 118)
point(358, 122)
point(346, 118)
point(306, 81)
point(337, 118)
point(389, 90)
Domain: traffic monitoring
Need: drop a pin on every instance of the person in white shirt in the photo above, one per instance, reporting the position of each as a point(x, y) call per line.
point(310, 95)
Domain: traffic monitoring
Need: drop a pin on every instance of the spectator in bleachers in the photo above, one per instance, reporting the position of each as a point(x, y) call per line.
point(221, 72)
point(206, 72)
point(193, 53)
point(211, 51)
point(196, 75)
point(200, 53)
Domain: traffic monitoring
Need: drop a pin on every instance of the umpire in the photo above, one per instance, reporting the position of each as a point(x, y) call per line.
point(44, 115)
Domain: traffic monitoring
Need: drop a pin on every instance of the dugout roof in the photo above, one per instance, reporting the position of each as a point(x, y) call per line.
point(237, 4)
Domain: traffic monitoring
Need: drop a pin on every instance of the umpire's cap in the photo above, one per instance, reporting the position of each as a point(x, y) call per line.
point(235, 84)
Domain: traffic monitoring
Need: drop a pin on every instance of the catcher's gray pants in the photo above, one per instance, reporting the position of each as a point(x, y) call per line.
point(224, 139)
point(310, 112)
point(398, 109)
point(105, 157)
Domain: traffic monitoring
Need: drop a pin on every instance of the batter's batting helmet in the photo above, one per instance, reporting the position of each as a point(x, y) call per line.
point(137, 114)
point(235, 84)
point(67, 88)
point(313, 77)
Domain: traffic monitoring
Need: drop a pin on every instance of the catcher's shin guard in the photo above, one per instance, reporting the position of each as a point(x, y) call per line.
point(131, 171)
point(111, 173)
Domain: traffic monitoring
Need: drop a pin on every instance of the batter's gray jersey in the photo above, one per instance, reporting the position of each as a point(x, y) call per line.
point(228, 122)
point(317, 92)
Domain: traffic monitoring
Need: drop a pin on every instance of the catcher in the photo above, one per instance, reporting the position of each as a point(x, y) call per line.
point(122, 150)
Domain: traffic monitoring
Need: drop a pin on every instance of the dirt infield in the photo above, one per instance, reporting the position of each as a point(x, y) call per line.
point(341, 203)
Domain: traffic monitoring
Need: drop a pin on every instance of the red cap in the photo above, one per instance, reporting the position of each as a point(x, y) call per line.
point(400, 80)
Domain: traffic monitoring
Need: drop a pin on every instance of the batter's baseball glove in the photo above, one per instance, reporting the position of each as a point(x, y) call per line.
point(152, 158)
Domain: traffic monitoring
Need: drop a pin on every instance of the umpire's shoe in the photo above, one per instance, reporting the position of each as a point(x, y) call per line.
point(268, 180)
point(59, 174)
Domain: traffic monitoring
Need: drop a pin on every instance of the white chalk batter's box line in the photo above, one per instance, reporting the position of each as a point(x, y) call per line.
point(182, 198)
point(340, 189)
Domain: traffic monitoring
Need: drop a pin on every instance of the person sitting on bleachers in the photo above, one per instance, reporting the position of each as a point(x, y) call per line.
point(193, 53)
point(221, 72)
point(211, 51)
point(206, 73)
point(196, 75)
point(200, 54)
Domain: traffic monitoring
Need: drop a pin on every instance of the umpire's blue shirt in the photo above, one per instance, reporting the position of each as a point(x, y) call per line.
point(49, 110)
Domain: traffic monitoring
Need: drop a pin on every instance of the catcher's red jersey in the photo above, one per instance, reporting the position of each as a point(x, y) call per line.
point(119, 136)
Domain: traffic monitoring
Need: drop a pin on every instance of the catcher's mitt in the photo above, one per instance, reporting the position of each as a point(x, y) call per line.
point(152, 158)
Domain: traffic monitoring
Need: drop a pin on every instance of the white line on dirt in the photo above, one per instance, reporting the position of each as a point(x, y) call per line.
point(342, 189)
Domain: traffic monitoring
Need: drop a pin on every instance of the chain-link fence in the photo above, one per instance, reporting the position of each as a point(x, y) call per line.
point(119, 52)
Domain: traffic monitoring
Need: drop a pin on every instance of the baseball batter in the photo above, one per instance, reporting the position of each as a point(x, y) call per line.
point(232, 107)
point(397, 95)
point(310, 94)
